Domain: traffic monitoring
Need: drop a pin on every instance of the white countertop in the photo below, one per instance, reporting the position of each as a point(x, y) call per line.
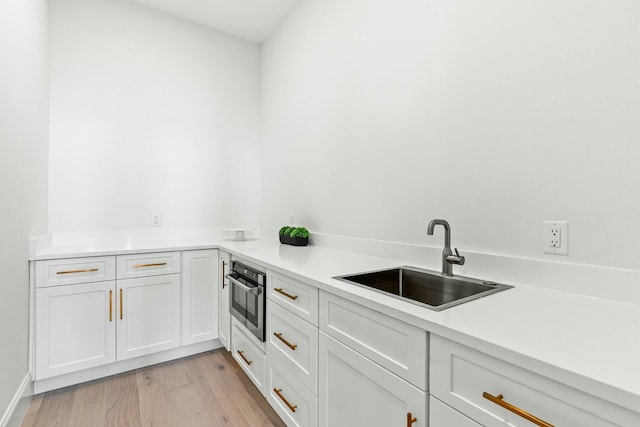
point(589, 343)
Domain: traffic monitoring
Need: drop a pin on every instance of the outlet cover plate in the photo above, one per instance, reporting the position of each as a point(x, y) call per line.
point(555, 237)
point(156, 220)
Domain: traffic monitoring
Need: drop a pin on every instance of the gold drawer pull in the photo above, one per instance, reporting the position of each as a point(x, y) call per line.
point(410, 419)
point(498, 400)
point(291, 346)
point(120, 303)
point(89, 270)
point(280, 291)
point(247, 361)
point(110, 306)
point(157, 264)
point(284, 399)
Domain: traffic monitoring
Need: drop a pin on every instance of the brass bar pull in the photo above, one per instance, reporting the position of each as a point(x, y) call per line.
point(88, 270)
point(280, 291)
point(410, 419)
point(224, 264)
point(247, 361)
point(291, 346)
point(498, 400)
point(284, 399)
point(157, 264)
point(110, 306)
point(120, 303)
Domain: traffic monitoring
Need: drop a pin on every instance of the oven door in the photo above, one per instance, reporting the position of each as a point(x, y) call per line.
point(247, 304)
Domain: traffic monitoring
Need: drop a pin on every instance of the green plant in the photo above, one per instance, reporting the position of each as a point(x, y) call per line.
point(286, 230)
point(283, 230)
point(300, 232)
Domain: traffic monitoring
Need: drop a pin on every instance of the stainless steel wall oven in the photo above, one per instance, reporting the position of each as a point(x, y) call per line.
point(248, 297)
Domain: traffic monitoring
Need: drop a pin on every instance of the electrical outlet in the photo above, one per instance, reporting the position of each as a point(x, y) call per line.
point(555, 237)
point(292, 218)
point(156, 220)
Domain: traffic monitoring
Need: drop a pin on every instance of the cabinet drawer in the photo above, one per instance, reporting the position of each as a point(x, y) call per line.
point(141, 265)
point(297, 297)
point(460, 375)
point(76, 270)
point(393, 344)
point(293, 402)
point(249, 356)
point(295, 343)
point(441, 415)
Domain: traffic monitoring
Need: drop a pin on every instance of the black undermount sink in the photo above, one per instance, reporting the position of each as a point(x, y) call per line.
point(423, 287)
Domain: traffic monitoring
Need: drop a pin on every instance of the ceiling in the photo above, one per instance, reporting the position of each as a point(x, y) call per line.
point(251, 20)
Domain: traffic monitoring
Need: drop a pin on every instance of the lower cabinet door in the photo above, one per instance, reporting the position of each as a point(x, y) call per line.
point(354, 391)
point(441, 415)
point(289, 397)
point(148, 315)
point(75, 328)
point(199, 296)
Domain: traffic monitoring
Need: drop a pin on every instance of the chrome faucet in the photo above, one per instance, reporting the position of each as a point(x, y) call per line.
point(448, 258)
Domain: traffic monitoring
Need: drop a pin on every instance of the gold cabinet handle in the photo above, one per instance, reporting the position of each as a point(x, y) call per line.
point(498, 400)
point(157, 264)
point(120, 303)
point(280, 291)
point(88, 270)
point(284, 399)
point(410, 419)
point(224, 264)
point(291, 346)
point(247, 361)
point(110, 306)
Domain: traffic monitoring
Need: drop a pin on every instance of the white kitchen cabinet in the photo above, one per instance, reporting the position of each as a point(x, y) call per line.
point(58, 272)
point(292, 400)
point(297, 297)
point(148, 315)
point(355, 391)
point(249, 355)
point(224, 300)
point(294, 342)
point(465, 379)
point(441, 415)
point(149, 264)
point(75, 328)
point(199, 296)
point(395, 345)
point(292, 350)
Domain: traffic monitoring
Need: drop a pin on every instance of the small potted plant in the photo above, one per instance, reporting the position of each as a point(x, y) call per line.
point(285, 233)
point(294, 236)
point(300, 237)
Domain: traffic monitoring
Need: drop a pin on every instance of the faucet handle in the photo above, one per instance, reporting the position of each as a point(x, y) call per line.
point(456, 259)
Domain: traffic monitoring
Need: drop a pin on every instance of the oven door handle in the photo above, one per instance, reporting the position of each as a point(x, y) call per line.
point(250, 291)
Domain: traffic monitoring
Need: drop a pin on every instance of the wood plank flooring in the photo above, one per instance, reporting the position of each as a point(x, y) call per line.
point(205, 390)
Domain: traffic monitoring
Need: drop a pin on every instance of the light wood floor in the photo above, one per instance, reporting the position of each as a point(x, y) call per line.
point(203, 390)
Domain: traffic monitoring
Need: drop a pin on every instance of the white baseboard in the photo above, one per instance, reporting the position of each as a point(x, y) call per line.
point(60, 381)
point(19, 405)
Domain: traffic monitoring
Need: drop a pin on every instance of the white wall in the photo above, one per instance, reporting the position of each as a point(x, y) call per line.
point(147, 113)
point(23, 176)
point(496, 115)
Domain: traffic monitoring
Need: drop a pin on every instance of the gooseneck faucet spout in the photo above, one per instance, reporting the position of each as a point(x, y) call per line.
point(448, 258)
